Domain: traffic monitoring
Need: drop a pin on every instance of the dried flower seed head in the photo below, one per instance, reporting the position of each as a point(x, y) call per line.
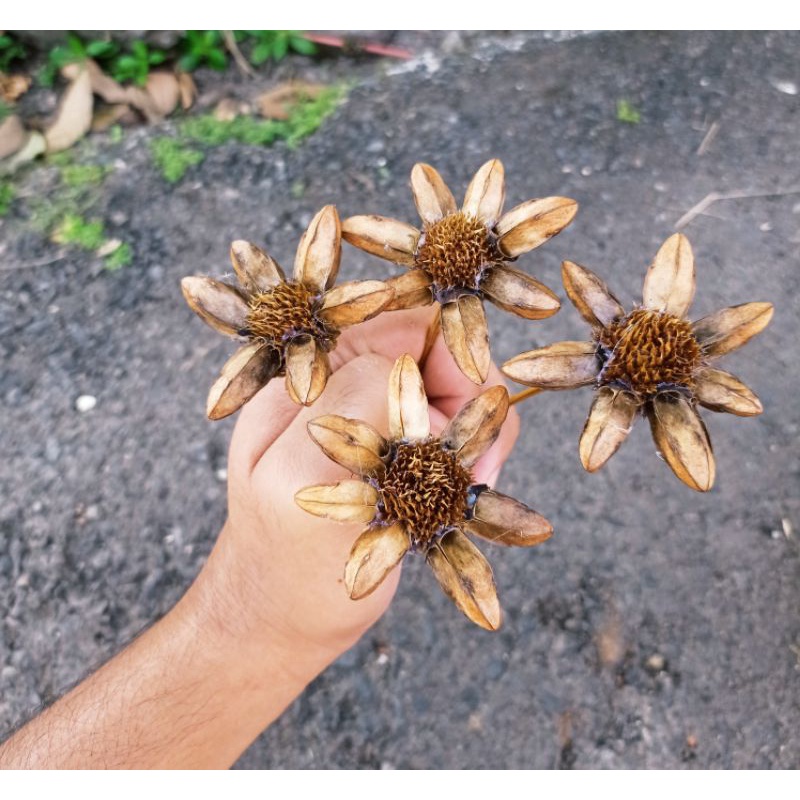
point(651, 361)
point(648, 351)
point(425, 489)
point(454, 252)
point(461, 257)
point(284, 312)
point(418, 495)
point(290, 325)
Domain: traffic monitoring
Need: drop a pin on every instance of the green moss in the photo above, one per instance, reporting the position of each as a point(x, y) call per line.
point(75, 230)
point(120, 258)
point(305, 117)
point(173, 158)
point(627, 112)
point(308, 115)
point(115, 134)
point(77, 175)
point(7, 193)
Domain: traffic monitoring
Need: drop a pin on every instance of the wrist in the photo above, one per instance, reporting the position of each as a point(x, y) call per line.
point(231, 605)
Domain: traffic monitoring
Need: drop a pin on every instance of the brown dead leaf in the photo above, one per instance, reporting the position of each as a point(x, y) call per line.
point(228, 109)
point(188, 90)
point(277, 102)
point(12, 87)
point(107, 116)
point(112, 92)
point(12, 136)
point(34, 146)
point(164, 90)
point(74, 115)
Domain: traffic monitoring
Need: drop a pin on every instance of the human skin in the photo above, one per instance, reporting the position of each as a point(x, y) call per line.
point(268, 611)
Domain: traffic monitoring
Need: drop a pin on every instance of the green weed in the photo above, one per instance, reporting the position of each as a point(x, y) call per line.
point(10, 50)
point(77, 175)
point(274, 45)
point(203, 48)
point(304, 119)
point(7, 193)
point(121, 257)
point(173, 158)
point(74, 229)
point(134, 66)
point(627, 112)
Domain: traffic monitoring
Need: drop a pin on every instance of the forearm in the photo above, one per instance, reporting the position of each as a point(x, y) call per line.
point(191, 692)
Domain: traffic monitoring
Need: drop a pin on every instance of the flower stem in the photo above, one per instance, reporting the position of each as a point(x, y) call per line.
point(525, 393)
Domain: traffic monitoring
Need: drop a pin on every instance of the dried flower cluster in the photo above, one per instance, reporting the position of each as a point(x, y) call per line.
point(415, 492)
point(652, 361)
point(290, 326)
point(461, 257)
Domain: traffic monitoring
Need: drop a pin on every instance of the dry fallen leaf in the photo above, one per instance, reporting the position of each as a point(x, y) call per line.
point(74, 116)
point(164, 90)
point(277, 102)
point(228, 109)
point(12, 87)
point(12, 136)
point(107, 116)
point(34, 146)
point(110, 91)
point(188, 90)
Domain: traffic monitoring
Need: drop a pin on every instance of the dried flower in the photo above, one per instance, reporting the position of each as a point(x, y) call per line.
point(460, 257)
point(290, 326)
point(652, 360)
point(416, 493)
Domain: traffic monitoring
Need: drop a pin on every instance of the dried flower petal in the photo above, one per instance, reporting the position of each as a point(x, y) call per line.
point(502, 520)
point(345, 501)
point(374, 555)
point(486, 193)
point(517, 292)
point(610, 421)
point(408, 403)
point(357, 301)
point(383, 237)
point(316, 264)
point(307, 370)
point(431, 195)
point(532, 223)
point(467, 336)
point(590, 295)
point(669, 283)
point(256, 271)
point(466, 577)
point(721, 391)
point(217, 304)
point(411, 290)
point(355, 445)
point(564, 365)
point(730, 328)
point(477, 425)
point(682, 439)
point(249, 369)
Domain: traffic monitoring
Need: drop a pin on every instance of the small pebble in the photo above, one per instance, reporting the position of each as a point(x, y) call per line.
point(221, 474)
point(656, 662)
point(787, 87)
point(382, 659)
point(86, 402)
point(586, 171)
point(765, 227)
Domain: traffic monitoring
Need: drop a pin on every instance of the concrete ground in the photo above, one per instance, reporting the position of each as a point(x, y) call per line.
point(658, 628)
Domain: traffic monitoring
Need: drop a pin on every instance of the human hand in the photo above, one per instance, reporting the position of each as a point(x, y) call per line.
point(281, 569)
